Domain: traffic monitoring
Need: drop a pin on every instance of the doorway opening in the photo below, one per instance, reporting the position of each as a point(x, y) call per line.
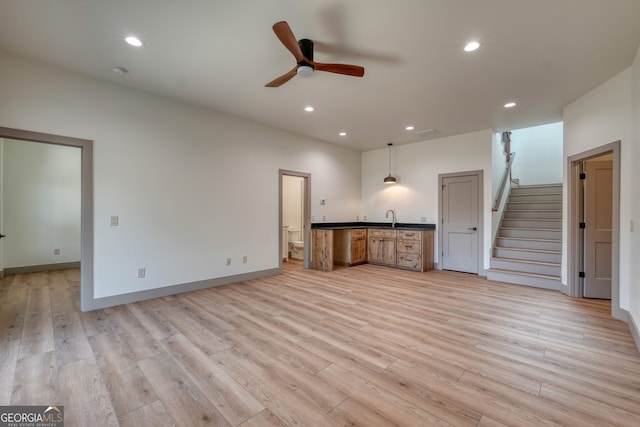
point(593, 249)
point(86, 201)
point(294, 217)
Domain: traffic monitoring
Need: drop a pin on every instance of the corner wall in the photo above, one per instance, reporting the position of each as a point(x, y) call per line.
point(634, 190)
point(598, 118)
point(417, 167)
point(191, 186)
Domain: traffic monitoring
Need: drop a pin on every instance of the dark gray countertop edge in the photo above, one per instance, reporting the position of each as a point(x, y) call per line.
point(347, 225)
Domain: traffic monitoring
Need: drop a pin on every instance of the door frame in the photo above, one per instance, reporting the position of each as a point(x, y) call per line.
point(480, 189)
point(574, 201)
point(86, 201)
point(307, 214)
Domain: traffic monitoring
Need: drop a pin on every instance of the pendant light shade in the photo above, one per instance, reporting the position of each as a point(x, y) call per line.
point(390, 179)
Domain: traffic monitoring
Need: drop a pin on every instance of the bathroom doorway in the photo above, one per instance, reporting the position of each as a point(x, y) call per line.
point(295, 218)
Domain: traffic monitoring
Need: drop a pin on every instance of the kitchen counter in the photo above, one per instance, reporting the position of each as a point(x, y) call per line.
point(379, 225)
point(407, 245)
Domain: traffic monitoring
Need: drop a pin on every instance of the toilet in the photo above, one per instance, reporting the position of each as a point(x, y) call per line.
point(296, 244)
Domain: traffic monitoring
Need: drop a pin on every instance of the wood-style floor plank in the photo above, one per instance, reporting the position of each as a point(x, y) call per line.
point(360, 346)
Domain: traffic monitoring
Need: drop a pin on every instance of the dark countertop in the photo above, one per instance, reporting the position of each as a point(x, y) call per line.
point(385, 225)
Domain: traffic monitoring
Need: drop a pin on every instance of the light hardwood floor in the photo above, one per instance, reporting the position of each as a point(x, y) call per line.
point(361, 346)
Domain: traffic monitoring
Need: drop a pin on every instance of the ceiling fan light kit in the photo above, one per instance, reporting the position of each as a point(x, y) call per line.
point(305, 70)
point(302, 51)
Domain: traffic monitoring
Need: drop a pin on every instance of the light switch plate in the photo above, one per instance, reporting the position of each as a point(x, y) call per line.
point(114, 221)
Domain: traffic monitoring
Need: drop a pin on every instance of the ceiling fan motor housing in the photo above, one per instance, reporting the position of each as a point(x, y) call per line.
point(305, 69)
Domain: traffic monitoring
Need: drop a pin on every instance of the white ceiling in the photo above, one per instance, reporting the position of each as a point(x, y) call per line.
point(219, 54)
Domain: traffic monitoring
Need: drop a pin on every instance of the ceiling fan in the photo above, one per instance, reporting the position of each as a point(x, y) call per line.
point(303, 52)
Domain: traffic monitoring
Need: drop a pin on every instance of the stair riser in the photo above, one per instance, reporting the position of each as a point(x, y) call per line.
point(531, 234)
point(533, 214)
point(527, 244)
point(532, 223)
point(525, 280)
point(535, 198)
point(527, 255)
point(538, 189)
point(534, 206)
point(551, 270)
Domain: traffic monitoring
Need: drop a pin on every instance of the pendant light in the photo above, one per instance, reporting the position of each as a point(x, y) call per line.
point(390, 179)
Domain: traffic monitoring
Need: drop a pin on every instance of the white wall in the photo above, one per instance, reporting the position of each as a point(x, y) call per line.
point(191, 186)
point(41, 206)
point(600, 117)
point(417, 167)
point(634, 194)
point(538, 154)
point(292, 204)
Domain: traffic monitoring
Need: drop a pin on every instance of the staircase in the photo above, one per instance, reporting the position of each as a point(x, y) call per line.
point(528, 246)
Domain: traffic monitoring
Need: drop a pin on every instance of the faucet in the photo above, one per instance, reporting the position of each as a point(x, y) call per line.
point(393, 217)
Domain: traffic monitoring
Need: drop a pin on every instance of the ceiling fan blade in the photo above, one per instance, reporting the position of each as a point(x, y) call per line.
point(349, 70)
point(285, 35)
point(283, 78)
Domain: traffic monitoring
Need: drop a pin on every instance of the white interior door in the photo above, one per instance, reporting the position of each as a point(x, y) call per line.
point(460, 223)
point(598, 230)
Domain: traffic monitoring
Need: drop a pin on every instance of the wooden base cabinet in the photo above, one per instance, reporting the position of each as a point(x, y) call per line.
point(322, 250)
point(409, 249)
point(382, 246)
point(350, 246)
point(414, 249)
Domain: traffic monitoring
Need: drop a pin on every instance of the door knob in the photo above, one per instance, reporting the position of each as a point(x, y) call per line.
point(472, 228)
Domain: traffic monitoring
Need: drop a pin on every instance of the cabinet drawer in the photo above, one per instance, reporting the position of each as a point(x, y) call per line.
point(409, 260)
point(409, 235)
point(409, 246)
point(358, 233)
point(386, 234)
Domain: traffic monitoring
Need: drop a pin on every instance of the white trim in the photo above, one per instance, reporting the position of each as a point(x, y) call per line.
point(573, 282)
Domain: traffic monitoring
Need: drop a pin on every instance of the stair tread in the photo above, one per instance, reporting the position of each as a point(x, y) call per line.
point(528, 239)
point(529, 219)
point(530, 229)
point(533, 210)
point(544, 251)
point(526, 261)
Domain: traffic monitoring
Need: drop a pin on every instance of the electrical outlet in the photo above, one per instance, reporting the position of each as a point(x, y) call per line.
point(142, 272)
point(228, 261)
point(324, 218)
point(323, 201)
point(364, 218)
point(423, 219)
point(113, 221)
point(244, 259)
point(56, 251)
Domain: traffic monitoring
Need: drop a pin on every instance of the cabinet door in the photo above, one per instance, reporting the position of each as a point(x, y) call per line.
point(374, 249)
point(358, 251)
point(388, 251)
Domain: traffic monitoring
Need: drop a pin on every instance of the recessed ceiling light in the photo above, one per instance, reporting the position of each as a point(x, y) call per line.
point(409, 127)
point(133, 41)
point(119, 70)
point(343, 134)
point(509, 105)
point(308, 108)
point(471, 46)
